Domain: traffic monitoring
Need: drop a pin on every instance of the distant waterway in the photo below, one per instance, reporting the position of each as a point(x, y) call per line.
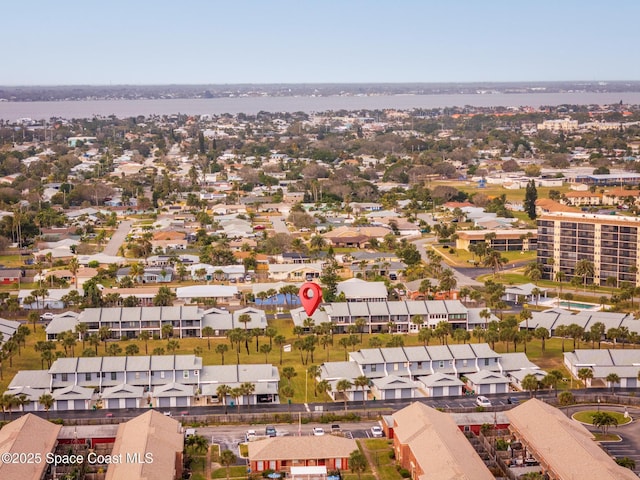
point(12, 111)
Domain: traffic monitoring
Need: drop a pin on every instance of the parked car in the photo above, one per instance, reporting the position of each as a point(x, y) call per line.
point(270, 431)
point(335, 428)
point(318, 431)
point(483, 401)
point(376, 431)
point(47, 316)
point(250, 435)
point(513, 401)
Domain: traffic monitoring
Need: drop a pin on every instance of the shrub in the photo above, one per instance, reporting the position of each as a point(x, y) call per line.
point(404, 473)
point(501, 445)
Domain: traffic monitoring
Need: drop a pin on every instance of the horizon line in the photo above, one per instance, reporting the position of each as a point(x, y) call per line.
point(174, 84)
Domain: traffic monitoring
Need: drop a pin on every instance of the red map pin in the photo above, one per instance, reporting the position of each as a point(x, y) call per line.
point(310, 296)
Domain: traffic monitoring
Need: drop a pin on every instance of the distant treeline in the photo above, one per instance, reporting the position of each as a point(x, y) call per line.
point(133, 92)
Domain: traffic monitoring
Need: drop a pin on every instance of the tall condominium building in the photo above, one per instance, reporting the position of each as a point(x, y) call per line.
point(609, 241)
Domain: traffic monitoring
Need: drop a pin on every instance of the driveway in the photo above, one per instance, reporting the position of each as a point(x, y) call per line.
point(117, 239)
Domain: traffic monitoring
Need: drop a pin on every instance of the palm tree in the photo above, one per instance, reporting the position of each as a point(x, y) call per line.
point(343, 386)
point(585, 374)
point(136, 272)
point(289, 373)
point(94, 341)
point(424, 335)
point(227, 458)
point(248, 389)
point(562, 332)
point(222, 348)
point(323, 387)
point(81, 329)
point(360, 323)
point(559, 277)
point(104, 333)
point(525, 315)
point(145, 336)
point(584, 269)
point(534, 271)
point(222, 392)
point(266, 350)
point(552, 379)
point(530, 382)
point(245, 318)
point(357, 463)
point(485, 314)
point(46, 400)
point(172, 346)
point(236, 393)
point(541, 333)
point(287, 392)
point(166, 330)
point(418, 321)
point(208, 332)
point(612, 379)
point(362, 381)
point(280, 341)
point(132, 349)
point(495, 261)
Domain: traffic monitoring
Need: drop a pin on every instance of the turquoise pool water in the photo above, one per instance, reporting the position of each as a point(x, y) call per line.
point(578, 305)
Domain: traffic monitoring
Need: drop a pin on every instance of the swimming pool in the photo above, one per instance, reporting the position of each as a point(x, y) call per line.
point(579, 305)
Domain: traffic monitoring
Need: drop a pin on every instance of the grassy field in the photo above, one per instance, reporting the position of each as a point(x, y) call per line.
point(29, 359)
point(380, 451)
point(586, 416)
point(463, 258)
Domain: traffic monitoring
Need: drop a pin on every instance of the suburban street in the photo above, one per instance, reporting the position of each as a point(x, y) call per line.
point(117, 239)
point(279, 224)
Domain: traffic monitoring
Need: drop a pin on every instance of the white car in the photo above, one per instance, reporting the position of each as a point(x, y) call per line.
point(318, 431)
point(46, 316)
point(376, 431)
point(251, 435)
point(483, 401)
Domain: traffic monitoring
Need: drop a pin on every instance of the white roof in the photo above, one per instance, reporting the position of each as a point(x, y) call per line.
point(357, 288)
point(206, 291)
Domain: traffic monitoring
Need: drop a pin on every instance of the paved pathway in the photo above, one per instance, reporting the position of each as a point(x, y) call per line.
point(117, 239)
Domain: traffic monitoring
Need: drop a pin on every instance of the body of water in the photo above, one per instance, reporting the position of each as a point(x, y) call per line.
point(12, 111)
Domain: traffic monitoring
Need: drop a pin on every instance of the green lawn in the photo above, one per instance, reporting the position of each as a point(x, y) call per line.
point(463, 258)
point(586, 416)
point(30, 359)
point(379, 450)
point(609, 437)
point(234, 472)
point(12, 261)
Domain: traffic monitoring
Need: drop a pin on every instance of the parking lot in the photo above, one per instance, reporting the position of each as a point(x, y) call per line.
point(229, 437)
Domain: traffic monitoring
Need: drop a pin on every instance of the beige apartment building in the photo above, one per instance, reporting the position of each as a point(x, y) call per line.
point(609, 241)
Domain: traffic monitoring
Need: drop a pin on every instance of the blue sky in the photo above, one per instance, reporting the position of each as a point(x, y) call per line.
point(296, 41)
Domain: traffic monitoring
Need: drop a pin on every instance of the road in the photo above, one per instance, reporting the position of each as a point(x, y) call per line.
point(462, 279)
point(117, 239)
point(279, 225)
point(630, 433)
point(188, 414)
